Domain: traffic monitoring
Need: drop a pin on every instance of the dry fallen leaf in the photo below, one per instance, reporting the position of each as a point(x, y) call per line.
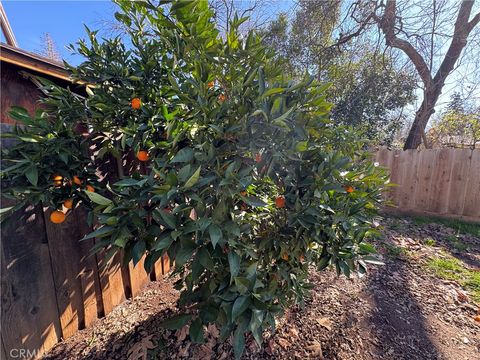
point(315, 348)
point(283, 343)
point(140, 349)
point(293, 332)
point(325, 322)
point(182, 333)
point(213, 331)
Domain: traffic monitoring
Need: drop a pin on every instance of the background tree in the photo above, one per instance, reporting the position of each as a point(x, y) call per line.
point(49, 48)
point(458, 125)
point(433, 36)
point(369, 90)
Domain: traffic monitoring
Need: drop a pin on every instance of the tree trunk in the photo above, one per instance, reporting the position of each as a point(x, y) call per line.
point(414, 138)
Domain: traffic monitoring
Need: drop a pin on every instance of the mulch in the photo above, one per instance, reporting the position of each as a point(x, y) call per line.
point(397, 311)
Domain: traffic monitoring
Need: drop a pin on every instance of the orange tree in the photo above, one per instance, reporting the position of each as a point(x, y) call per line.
point(245, 182)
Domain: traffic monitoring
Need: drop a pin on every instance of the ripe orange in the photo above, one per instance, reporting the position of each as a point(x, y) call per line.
point(243, 193)
point(142, 155)
point(90, 188)
point(348, 189)
point(258, 158)
point(57, 180)
point(221, 97)
point(280, 202)
point(285, 256)
point(57, 217)
point(77, 180)
point(68, 203)
point(136, 103)
point(211, 84)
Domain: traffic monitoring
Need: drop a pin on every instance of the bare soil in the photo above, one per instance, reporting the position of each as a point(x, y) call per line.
point(398, 311)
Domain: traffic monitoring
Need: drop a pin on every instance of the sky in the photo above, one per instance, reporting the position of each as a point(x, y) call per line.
point(63, 20)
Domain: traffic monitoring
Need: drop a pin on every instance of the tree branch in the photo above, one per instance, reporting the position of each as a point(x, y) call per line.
point(387, 24)
point(460, 34)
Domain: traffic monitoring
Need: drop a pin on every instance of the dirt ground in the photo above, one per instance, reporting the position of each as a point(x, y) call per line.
point(403, 310)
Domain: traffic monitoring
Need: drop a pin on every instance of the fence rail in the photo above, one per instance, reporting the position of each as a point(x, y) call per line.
point(440, 182)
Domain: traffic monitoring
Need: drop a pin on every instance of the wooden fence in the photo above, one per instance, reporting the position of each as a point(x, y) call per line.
point(440, 182)
point(52, 286)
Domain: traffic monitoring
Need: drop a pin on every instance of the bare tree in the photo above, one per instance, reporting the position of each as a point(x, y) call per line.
point(49, 48)
point(425, 34)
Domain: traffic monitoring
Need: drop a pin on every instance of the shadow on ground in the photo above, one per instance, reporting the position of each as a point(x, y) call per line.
point(397, 321)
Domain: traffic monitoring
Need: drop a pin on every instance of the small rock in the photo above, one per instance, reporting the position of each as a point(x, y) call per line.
point(465, 340)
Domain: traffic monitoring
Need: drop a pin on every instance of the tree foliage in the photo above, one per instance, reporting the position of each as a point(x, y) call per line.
point(248, 182)
point(458, 125)
point(368, 91)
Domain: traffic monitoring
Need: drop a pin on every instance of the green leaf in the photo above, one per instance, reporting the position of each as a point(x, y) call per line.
point(164, 241)
point(100, 232)
point(184, 155)
point(254, 201)
point(176, 322)
point(238, 342)
point(234, 263)
point(193, 179)
point(301, 146)
point(32, 175)
point(205, 259)
point(97, 198)
point(7, 209)
point(196, 331)
point(126, 182)
point(240, 305)
point(272, 91)
point(372, 260)
point(215, 234)
point(138, 251)
point(168, 218)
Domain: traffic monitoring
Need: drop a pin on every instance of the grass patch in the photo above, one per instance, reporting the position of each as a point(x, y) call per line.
point(450, 268)
point(429, 242)
point(460, 226)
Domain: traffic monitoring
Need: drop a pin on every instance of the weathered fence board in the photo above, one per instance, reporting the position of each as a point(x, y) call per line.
point(472, 193)
point(52, 285)
point(444, 182)
point(30, 318)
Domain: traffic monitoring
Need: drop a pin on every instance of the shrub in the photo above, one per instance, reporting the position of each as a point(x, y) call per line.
point(247, 182)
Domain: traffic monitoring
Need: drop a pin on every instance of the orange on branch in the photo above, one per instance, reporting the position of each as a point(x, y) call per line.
point(90, 188)
point(68, 203)
point(136, 103)
point(221, 97)
point(211, 84)
point(142, 155)
point(285, 257)
point(57, 217)
point(77, 180)
point(280, 202)
point(348, 189)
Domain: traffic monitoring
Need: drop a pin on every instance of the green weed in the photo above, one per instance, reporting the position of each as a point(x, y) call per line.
point(450, 268)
